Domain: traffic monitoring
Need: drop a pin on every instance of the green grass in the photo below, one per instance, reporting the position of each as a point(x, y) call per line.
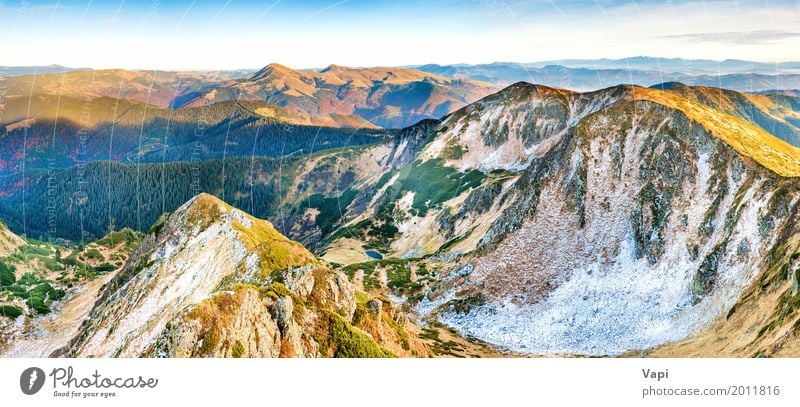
point(104, 268)
point(210, 341)
point(129, 236)
point(93, 254)
point(28, 279)
point(370, 279)
point(18, 291)
point(40, 298)
point(351, 343)
point(440, 347)
point(399, 331)
point(330, 208)
point(432, 184)
point(37, 250)
point(452, 151)
point(38, 304)
point(42, 252)
point(384, 179)
point(10, 311)
point(398, 275)
point(237, 350)
point(383, 231)
point(39, 293)
point(354, 231)
point(7, 276)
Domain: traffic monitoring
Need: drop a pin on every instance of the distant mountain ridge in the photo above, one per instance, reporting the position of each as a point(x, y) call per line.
point(585, 78)
point(784, 92)
point(334, 97)
point(30, 70)
point(687, 66)
point(384, 97)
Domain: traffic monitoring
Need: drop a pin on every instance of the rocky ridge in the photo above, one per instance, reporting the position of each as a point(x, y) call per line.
point(212, 281)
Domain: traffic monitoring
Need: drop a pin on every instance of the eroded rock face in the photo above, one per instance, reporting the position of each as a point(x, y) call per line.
point(338, 293)
point(326, 288)
point(291, 331)
point(229, 324)
point(9, 242)
point(246, 321)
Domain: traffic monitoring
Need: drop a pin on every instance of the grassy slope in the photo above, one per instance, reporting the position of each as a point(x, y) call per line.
point(746, 138)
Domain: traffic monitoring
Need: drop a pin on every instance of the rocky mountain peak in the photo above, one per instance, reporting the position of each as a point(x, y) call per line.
point(271, 69)
point(332, 67)
point(212, 280)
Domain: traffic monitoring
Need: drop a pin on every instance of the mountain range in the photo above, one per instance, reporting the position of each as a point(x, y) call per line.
point(687, 66)
point(588, 78)
point(535, 220)
point(334, 97)
point(341, 96)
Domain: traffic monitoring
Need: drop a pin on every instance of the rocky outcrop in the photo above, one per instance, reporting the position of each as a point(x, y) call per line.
point(229, 324)
point(212, 281)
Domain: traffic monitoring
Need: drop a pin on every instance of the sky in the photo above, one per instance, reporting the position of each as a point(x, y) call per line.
point(240, 34)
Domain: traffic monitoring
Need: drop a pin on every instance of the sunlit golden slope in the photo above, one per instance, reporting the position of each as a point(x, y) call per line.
point(777, 114)
point(9, 242)
point(353, 97)
point(746, 138)
point(153, 87)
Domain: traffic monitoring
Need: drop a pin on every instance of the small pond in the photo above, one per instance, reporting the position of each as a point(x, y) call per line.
point(375, 255)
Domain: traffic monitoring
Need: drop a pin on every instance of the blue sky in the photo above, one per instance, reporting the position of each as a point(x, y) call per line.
point(233, 34)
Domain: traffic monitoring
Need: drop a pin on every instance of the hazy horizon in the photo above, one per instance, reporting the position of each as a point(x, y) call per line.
point(410, 66)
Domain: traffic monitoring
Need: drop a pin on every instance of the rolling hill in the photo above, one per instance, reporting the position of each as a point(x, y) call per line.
point(343, 96)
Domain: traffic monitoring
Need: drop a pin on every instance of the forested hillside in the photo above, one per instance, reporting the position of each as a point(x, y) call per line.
point(117, 195)
point(62, 132)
